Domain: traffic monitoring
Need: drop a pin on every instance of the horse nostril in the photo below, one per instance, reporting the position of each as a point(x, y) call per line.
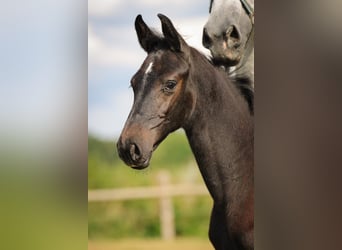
point(206, 40)
point(134, 152)
point(233, 36)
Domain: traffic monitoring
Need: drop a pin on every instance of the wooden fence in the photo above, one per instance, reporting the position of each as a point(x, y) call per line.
point(164, 192)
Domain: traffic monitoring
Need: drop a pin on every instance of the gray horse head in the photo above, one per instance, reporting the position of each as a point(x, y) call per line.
point(228, 29)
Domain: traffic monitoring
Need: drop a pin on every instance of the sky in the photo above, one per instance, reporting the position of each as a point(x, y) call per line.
point(114, 54)
point(43, 63)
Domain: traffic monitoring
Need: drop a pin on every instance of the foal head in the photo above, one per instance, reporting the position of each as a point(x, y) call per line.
point(162, 96)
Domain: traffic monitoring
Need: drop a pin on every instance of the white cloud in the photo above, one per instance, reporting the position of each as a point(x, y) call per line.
point(105, 50)
point(102, 52)
point(191, 30)
point(102, 7)
point(107, 8)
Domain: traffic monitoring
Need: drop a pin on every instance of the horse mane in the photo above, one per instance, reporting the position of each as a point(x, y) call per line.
point(244, 84)
point(241, 82)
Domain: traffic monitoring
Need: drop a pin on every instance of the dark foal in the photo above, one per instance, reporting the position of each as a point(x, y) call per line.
point(178, 87)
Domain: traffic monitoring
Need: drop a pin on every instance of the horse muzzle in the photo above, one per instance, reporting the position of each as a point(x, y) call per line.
point(134, 154)
point(226, 47)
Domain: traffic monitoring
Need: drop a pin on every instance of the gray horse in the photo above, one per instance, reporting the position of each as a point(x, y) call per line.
point(229, 35)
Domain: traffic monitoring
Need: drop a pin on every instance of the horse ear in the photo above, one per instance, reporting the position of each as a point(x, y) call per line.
point(172, 36)
point(146, 37)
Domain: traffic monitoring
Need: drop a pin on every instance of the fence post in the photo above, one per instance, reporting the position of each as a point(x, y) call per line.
point(167, 224)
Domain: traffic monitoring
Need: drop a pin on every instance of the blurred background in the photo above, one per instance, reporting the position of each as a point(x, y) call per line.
point(44, 128)
point(43, 125)
point(120, 216)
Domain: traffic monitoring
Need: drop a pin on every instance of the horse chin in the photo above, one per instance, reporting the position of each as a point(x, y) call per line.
point(226, 62)
point(141, 165)
point(227, 58)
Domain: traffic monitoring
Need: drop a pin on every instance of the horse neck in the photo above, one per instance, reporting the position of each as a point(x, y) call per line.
point(220, 130)
point(244, 72)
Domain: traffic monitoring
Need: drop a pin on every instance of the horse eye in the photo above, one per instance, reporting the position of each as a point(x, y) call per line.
point(169, 85)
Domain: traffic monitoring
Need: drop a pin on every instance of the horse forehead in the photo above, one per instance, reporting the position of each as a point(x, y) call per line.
point(149, 64)
point(160, 61)
point(149, 68)
point(224, 5)
point(225, 12)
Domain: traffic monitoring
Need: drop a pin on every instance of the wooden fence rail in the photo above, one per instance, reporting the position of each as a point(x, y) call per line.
point(164, 192)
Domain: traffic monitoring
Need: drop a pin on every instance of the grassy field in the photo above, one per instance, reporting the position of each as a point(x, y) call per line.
point(150, 244)
point(140, 219)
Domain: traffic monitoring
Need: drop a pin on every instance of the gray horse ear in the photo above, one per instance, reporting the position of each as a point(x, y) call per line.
point(171, 35)
point(147, 38)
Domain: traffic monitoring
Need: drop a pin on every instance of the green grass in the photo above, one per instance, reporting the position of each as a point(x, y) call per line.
point(140, 218)
point(151, 244)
